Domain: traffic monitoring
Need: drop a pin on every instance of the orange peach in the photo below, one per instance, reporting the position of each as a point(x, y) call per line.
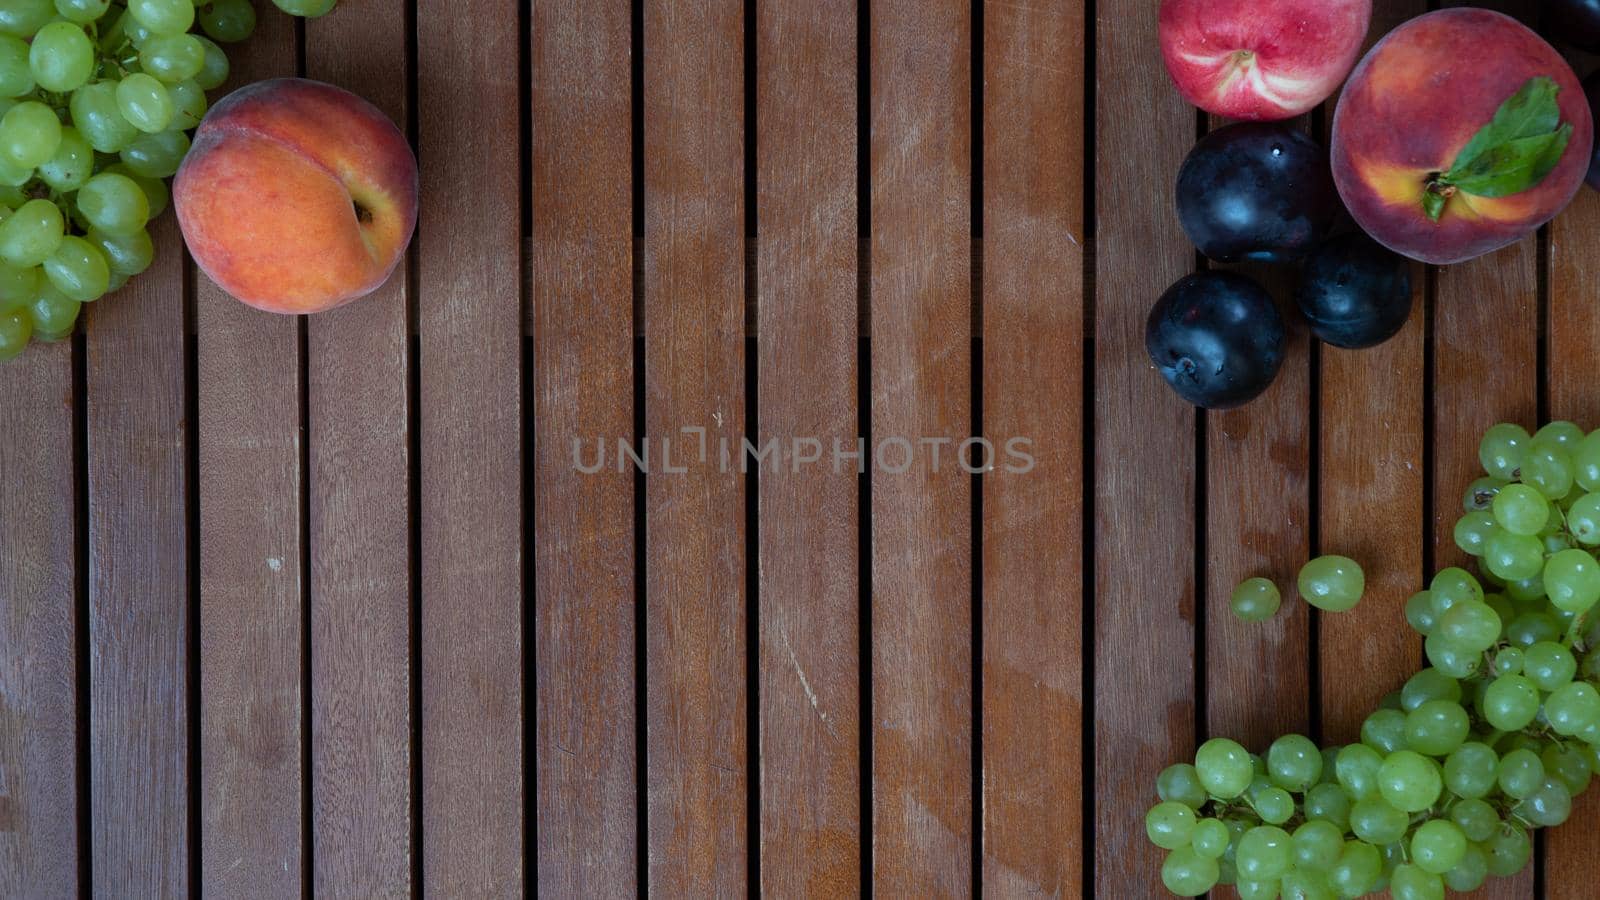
point(1411, 107)
point(297, 196)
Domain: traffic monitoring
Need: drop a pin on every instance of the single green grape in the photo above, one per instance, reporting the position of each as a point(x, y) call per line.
point(1509, 660)
point(1437, 728)
point(145, 103)
point(1509, 850)
point(1294, 763)
point(61, 57)
point(1188, 874)
point(228, 21)
point(1471, 624)
point(309, 9)
point(1586, 461)
point(1419, 613)
point(1411, 882)
point(1437, 846)
point(1317, 846)
point(156, 155)
point(1332, 583)
point(214, 72)
point(1528, 590)
point(1409, 781)
point(1511, 703)
point(1513, 556)
point(16, 328)
point(29, 134)
point(82, 11)
point(163, 16)
point(23, 18)
point(1583, 520)
point(1548, 469)
point(54, 313)
point(1481, 493)
point(1451, 586)
point(1274, 805)
point(1377, 822)
point(29, 235)
point(1472, 532)
point(1568, 765)
point(1264, 854)
point(1502, 448)
point(1549, 666)
point(1429, 684)
point(1470, 873)
point(1549, 806)
point(1358, 869)
point(1531, 628)
point(114, 204)
point(128, 255)
point(1384, 731)
point(78, 270)
point(1255, 600)
point(1452, 657)
point(69, 169)
point(96, 115)
point(173, 57)
point(1520, 774)
point(1560, 433)
point(1572, 581)
point(16, 72)
point(155, 189)
point(1170, 825)
point(1328, 803)
point(1475, 817)
point(188, 104)
point(1571, 709)
point(1225, 768)
point(1520, 509)
point(1211, 838)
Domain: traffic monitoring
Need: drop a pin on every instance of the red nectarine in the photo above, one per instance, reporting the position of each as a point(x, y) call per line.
point(1261, 59)
point(297, 196)
point(1412, 129)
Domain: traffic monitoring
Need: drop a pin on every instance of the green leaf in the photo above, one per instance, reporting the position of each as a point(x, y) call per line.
point(1530, 112)
point(1515, 166)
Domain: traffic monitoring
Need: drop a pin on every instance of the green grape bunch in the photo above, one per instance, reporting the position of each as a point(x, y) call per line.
point(97, 99)
point(1457, 770)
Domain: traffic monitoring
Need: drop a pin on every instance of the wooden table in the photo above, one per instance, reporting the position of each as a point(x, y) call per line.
point(324, 605)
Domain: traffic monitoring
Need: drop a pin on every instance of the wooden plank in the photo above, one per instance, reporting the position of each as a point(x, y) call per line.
point(1033, 305)
point(1370, 475)
point(359, 523)
point(1144, 625)
point(922, 577)
point(694, 342)
point(1258, 515)
point(38, 620)
point(811, 779)
point(1570, 851)
point(469, 321)
point(140, 622)
point(251, 590)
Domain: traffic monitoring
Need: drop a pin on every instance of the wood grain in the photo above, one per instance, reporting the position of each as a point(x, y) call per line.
point(469, 313)
point(39, 850)
point(694, 344)
point(251, 571)
point(1486, 338)
point(808, 620)
point(1574, 340)
point(583, 354)
point(922, 579)
point(1144, 468)
point(1371, 473)
point(359, 521)
point(1033, 316)
point(140, 621)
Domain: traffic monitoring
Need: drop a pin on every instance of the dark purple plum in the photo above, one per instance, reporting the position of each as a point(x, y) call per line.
point(1575, 23)
point(1217, 339)
point(1354, 292)
point(1257, 191)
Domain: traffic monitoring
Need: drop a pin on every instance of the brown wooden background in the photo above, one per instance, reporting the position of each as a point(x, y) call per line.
point(292, 607)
